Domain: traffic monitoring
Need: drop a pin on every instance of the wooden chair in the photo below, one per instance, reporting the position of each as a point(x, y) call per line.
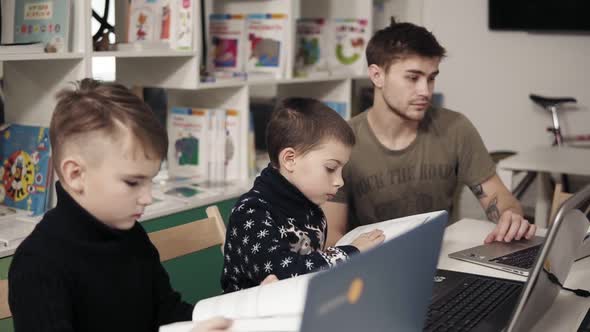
point(191, 237)
point(559, 196)
point(4, 308)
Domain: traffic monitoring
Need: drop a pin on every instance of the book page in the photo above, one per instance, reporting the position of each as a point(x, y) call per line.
point(266, 324)
point(391, 228)
point(282, 298)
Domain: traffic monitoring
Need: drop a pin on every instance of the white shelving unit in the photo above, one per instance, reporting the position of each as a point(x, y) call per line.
point(32, 80)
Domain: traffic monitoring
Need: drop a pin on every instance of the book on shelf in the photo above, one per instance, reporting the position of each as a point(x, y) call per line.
point(351, 36)
point(189, 137)
point(26, 168)
point(266, 52)
point(218, 173)
point(148, 21)
point(34, 21)
point(204, 144)
point(232, 145)
point(311, 47)
point(227, 43)
point(181, 29)
point(279, 306)
point(161, 21)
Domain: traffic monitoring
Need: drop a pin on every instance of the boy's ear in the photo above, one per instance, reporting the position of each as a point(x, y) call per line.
point(377, 75)
point(287, 159)
point(73, 170)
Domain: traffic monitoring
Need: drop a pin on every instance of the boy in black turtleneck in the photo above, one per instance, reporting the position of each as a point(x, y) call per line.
point(278, 226)
point(88, 265)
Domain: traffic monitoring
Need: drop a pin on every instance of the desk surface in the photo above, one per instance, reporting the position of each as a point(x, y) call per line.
point(550, 159)
point(567, 311)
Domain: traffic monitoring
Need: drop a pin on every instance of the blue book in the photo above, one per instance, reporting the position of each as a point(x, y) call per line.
point(46, 21)
point(26, 168)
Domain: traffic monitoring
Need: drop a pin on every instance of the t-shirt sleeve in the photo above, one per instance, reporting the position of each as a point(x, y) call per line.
point(474, 162)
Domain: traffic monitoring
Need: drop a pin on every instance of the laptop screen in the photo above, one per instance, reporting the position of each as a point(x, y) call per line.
point(561, 247)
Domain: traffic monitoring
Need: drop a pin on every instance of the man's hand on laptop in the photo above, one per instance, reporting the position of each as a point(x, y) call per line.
point(511, 226)
point(369, 240)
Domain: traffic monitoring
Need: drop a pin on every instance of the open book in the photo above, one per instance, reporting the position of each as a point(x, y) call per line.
point(279, 306)
point(272, 307)
point(391, 228)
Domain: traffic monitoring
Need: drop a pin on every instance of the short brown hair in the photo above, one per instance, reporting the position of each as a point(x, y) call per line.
point(303, 124)
point(399, 40)
point(95, 106)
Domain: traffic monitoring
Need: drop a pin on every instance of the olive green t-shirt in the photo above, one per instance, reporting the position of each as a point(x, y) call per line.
point(382, 184)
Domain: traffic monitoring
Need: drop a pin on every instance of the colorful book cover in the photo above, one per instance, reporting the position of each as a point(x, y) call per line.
point(311, 53)
point(26, 168)
point(188, 134)
point(46, 21)
point(266, 36)
point(149, 21)
point(227, 42)
point(351, 37)
point(182, 25)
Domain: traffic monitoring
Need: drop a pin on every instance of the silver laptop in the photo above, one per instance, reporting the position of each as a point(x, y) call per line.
point(515, 257)
point(383, 289)
point(507, 304)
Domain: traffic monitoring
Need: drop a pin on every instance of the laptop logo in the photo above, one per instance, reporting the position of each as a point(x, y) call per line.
point(439, 278)
point(354, 293)
point(355, 290)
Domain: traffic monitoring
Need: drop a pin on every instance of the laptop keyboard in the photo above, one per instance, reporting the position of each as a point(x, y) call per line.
point(523, 258)
point(468, 304)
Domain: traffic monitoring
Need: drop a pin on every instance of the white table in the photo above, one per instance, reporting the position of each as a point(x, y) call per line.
point(546, 160)
point(567, 311)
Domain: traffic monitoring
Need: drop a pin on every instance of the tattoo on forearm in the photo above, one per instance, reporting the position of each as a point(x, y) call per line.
point(492, 211)
point(477, 190)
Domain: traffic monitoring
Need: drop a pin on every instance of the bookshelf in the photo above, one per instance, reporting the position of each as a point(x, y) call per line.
point(32, 80)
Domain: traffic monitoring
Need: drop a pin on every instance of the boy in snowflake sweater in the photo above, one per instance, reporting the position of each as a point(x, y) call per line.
point(278, 226)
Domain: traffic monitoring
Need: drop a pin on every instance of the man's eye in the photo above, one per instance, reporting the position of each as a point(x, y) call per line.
point(131, 183)
point(330, 170)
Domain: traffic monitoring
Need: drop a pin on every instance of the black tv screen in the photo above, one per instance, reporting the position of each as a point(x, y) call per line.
point(547, 15)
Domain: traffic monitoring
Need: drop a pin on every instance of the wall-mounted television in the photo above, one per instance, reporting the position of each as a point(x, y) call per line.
point(539, 15)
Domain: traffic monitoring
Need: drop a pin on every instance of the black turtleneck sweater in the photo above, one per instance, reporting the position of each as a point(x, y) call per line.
point(74, 273)
point(275, 229)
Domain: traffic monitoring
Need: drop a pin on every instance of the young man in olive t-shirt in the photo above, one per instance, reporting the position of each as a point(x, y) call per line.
point(411, 157)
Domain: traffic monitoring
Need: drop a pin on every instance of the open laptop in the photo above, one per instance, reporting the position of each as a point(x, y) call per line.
point(515, 257)
point(383, 289)
point(469, 302)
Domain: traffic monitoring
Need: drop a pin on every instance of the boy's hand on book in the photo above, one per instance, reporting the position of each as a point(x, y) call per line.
point(369, 240)
point(269, 279)
point(213, 324)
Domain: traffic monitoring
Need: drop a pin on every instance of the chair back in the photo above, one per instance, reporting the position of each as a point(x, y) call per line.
point(191, 237)
point(4, 308)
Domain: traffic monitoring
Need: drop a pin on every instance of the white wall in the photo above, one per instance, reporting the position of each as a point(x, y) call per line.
point(488, 75)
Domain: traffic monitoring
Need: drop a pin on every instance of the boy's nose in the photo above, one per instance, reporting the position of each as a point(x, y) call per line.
point(146, 197)
point(338, 182)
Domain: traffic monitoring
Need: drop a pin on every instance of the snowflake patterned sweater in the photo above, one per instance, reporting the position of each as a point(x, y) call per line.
point(275, 229)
